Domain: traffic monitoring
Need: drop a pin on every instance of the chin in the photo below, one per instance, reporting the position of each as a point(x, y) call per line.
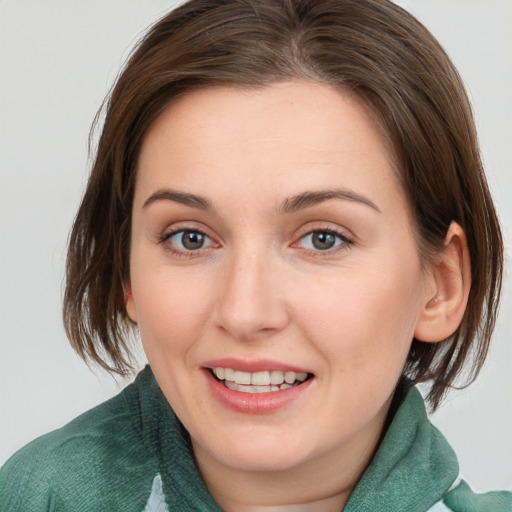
point(262, 456)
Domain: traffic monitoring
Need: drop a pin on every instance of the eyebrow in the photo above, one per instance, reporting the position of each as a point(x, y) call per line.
point(290, 205)
point(185, 198)
point(308, 199)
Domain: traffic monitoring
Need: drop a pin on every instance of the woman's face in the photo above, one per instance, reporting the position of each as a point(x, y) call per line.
point(271, 241)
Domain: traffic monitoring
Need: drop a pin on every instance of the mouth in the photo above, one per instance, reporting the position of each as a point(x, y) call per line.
point(259, 382)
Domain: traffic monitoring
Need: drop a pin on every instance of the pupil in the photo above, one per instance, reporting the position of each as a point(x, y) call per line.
point(323, 240)
point(192, 240)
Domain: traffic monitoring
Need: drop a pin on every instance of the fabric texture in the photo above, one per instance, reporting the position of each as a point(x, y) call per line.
point(131, 453)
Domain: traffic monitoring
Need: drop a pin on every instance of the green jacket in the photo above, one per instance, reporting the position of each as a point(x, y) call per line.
point(132, 454)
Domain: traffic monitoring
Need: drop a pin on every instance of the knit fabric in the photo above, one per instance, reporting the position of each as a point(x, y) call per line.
point(132, 454)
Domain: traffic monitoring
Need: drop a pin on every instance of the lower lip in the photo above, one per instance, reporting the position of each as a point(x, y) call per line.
point(255, 403)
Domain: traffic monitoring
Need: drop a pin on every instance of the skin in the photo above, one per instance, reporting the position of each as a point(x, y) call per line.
point(259, 289)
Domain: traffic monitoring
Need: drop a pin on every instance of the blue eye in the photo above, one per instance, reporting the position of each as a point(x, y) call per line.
point(189, 240)
point(322, 240)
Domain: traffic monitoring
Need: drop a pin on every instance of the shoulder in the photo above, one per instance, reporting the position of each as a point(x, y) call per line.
point(416, 469)
point(457, 496)
point(463, 499)
point(92, 458)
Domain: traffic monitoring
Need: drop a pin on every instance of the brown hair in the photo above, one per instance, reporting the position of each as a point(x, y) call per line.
point(373, 49)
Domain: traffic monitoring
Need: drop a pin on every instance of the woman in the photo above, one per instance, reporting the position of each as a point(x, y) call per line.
point(288, 203)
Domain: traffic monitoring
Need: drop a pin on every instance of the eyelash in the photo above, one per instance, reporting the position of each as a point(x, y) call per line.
point(345, 242)
point(165, 238)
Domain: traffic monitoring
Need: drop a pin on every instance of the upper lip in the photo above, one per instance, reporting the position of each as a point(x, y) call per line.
point(258, 365)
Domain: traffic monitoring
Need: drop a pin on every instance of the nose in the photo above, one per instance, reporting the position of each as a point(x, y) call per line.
point(251, 303)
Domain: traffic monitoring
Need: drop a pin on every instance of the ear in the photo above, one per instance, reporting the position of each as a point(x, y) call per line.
point(129, 302)
point(446, 301)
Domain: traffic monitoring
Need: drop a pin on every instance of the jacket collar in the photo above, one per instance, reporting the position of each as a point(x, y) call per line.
point(413, 468)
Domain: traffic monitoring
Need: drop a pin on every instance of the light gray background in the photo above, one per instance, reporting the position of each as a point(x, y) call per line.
point(58, 59)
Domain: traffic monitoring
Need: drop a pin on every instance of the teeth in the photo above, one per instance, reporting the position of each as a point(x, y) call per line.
point(257, 389)
point(276, 377)
point(242, 377)
point(258, 382)
point(260, 379)
point(289, 377)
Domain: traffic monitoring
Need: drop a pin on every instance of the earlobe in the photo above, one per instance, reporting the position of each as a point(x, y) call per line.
point(451, 276)
point(129, 302)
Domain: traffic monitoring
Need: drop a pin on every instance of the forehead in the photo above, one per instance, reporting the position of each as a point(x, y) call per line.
point(279, 139)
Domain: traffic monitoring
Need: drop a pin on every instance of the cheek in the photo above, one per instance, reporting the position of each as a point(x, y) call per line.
point(363, 319)
point(172, 309)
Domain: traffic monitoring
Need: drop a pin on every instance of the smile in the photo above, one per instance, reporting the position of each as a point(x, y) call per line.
point(257, 387)
point(258, 382)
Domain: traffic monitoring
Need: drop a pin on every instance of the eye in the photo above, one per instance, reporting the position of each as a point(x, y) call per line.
point(187, 240)
point(323, 240)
